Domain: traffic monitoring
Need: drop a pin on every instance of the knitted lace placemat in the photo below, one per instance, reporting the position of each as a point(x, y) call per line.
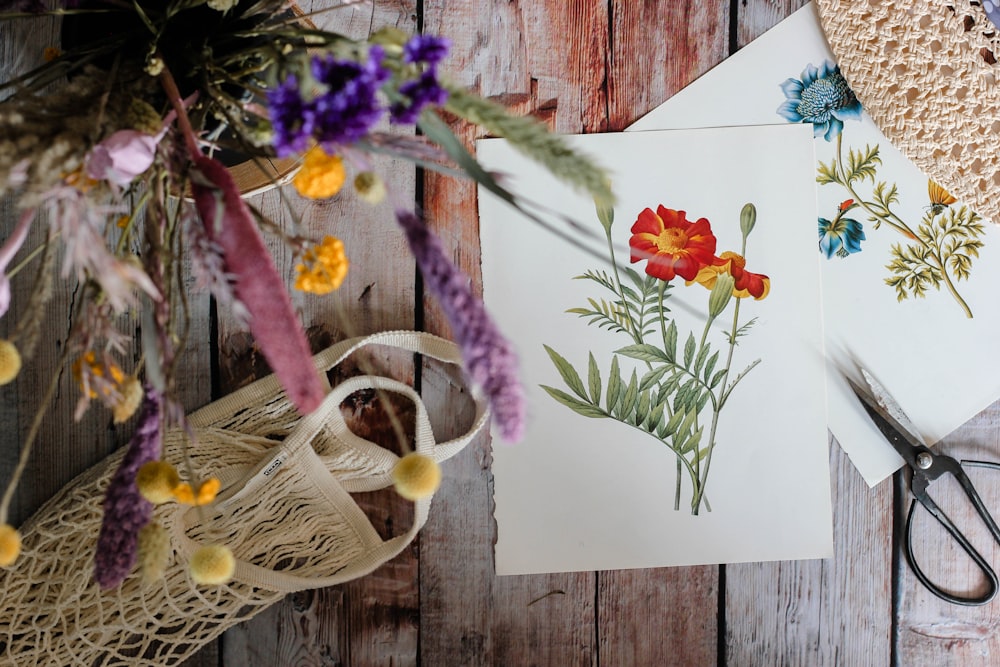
point(926, 72)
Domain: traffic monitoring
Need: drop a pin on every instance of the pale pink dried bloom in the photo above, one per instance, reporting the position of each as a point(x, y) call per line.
point(80, 222)
point(7, 252)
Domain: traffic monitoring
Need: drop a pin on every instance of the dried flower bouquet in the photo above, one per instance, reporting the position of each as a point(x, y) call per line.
point(144, 104)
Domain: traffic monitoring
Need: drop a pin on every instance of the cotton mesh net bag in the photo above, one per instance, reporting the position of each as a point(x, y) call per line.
point(927, 74)
point(285, 511)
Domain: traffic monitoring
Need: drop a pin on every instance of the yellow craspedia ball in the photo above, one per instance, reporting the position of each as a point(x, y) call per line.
point(321, 176)
point(10, 545)
point(212, 565)
point(156, 481)
point(10, 361)
point(416, 476)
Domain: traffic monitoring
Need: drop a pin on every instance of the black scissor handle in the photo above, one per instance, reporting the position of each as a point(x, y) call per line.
point(920, 493)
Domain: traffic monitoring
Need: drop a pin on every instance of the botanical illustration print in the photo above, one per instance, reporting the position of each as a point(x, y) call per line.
point(680, 380)
point(936, 252)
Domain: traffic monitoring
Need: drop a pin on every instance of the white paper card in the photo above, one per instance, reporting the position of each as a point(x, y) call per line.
point(583, 493)
point(938, 363)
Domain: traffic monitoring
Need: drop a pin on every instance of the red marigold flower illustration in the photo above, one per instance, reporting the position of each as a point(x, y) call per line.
point(673, 245)
point(747, 283)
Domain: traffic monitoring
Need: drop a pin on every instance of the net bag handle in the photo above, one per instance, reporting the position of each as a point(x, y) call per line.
point(296, 450)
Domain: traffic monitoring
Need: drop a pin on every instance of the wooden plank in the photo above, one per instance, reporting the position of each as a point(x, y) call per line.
point(371, 621)
point(548, 58)
point(657, 49)
point(931, 631)
point(758, 16)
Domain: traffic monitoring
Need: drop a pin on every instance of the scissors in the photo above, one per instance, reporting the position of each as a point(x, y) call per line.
point(925, 467)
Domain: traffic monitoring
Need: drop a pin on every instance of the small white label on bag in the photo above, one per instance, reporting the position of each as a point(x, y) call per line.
point(273, 466)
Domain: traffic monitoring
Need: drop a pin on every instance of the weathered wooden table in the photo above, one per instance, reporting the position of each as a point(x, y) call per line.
point(582, 67)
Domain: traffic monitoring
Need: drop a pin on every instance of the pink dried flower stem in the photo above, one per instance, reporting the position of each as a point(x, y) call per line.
point(258, 285)
point(489, 357)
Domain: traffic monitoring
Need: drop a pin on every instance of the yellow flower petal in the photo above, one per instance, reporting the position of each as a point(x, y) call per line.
point(207, 490)
point(321, 176)
point(323, 267)
point(10, 361)
point(416, 476)
point(10, 545)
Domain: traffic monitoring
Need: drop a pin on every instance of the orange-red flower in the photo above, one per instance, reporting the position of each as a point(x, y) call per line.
point(673, 245)
point(746, 283)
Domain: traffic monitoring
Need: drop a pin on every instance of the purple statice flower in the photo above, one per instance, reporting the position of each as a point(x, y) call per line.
point(426, 49)
point(489, 357)
point(287, 110)
point(349, 107)
point(421, 91)
point(125, 510)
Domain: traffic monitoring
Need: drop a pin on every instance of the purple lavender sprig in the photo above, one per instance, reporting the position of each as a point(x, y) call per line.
point(125, 510)
point(489, 357)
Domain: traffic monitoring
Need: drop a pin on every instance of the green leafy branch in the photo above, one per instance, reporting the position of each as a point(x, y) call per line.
point(948, 241)
point(632, 308)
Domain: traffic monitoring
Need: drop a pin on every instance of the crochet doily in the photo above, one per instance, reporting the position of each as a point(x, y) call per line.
point(927, 74)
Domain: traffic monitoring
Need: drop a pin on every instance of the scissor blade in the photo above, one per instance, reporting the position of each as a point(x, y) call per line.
point(905, 444)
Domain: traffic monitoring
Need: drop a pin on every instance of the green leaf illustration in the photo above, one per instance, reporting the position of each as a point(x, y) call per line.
point(578, 406)
point(652, 377)
point(568, 373)
point(629, 398)
point(827, 173)
point(862, 164)
point(913, 272)
point(644, 352)
point(700, 359)
point(689, 348)
point(594, 380)
point(655, 417)
point(710, 365)
point(642, 408)
point(670, 342)
point(614, 386)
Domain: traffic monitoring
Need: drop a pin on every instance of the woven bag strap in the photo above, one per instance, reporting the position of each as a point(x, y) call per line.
point(297, 451)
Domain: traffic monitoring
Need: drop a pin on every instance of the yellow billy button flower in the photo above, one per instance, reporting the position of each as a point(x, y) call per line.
point(154, 551)
point(212, 565)
point(10, 361)
point(130, 396)
point(321, 176)
point(156, 481)
point(207, 490)
point(10, 545)
point(416, 476)
point(370, 187)
point(323, 267)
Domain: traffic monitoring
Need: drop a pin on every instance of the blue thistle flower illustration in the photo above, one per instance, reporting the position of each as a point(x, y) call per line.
point(822, 97)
